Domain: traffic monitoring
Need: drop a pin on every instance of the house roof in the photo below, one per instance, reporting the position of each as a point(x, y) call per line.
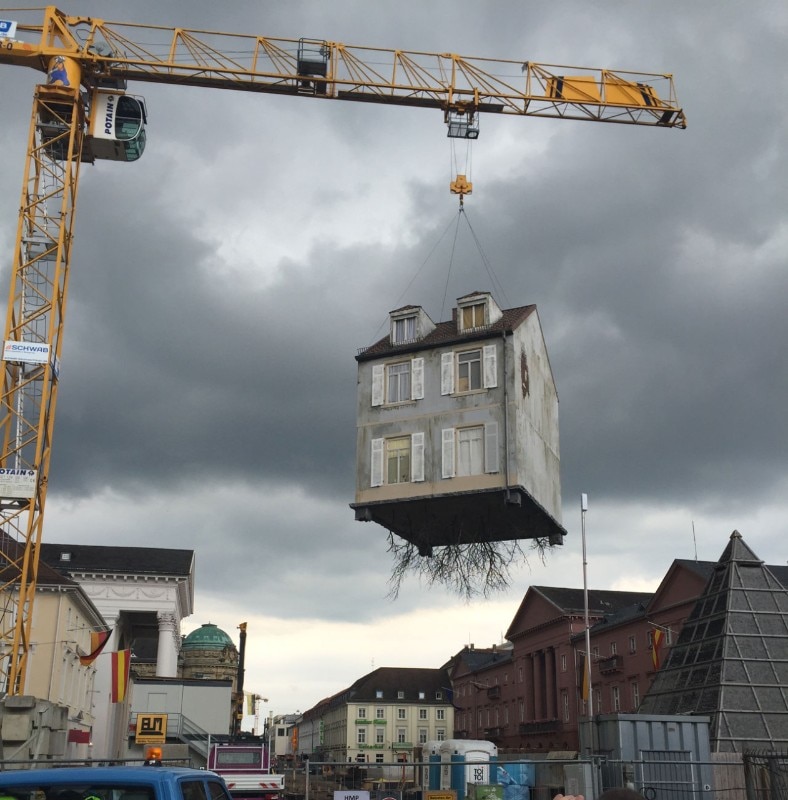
point(445, 333)
point(390, 681)
point(72, 558)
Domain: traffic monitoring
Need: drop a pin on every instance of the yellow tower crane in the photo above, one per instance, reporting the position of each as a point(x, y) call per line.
point(83, 112)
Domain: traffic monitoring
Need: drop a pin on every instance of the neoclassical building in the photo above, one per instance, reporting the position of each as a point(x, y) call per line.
point(143, 594)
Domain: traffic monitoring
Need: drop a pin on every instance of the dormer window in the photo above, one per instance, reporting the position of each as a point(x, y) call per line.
point(473, 316)
point(403, 330)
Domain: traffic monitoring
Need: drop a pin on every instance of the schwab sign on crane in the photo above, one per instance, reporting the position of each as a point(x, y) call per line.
point(83, 112)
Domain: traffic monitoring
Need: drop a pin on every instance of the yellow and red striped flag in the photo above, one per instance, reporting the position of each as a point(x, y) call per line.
point(121, 660)
point(656, 641)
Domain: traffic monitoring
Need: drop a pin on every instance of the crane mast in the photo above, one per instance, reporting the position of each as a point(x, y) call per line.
point(88, 64)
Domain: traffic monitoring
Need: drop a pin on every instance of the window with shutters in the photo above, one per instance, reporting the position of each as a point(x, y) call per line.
point(397, 460)
point(469, 451)
point(400, 382)
point(469, 370)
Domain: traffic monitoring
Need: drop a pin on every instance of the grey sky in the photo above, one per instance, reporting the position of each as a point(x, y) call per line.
point(222, 285)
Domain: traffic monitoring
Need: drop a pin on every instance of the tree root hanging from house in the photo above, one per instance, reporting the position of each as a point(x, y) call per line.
point(476, 569)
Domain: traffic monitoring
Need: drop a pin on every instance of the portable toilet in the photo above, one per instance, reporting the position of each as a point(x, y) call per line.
point(466, 761)
point(431, 770)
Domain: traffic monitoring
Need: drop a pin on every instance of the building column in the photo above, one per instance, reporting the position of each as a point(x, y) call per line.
point(538, 694)
point(551, 710)
point(167, 653)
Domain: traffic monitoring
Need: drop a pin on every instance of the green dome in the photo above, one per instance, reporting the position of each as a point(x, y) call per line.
point(207, 637)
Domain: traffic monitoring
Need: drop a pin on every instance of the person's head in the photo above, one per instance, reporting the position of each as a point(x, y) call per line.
point(620, 794)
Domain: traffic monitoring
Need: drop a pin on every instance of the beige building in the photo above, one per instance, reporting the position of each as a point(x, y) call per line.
point(381, 719)
point(55, 716)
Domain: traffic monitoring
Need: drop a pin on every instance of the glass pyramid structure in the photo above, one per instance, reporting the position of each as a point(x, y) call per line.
point(730, 661)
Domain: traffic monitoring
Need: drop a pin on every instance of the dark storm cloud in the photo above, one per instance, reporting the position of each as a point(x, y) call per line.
point(222, 286)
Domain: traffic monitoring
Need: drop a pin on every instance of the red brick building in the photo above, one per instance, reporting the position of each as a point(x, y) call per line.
point(526, 695)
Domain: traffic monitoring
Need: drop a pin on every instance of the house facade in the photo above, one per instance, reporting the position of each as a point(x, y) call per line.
point(457, 422)
point(382, 718)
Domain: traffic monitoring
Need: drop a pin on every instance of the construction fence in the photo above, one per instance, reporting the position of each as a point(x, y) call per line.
point(656, 776)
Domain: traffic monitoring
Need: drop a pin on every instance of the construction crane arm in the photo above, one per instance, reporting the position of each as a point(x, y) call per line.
point(115, 51)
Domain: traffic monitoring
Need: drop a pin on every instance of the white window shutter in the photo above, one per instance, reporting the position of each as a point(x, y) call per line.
point(417, 379)
point(490, 366)
point(377, 384)
point(447, 453)
point(376, 463)
point(491, 454)
point(417, 456)
point(447, 373)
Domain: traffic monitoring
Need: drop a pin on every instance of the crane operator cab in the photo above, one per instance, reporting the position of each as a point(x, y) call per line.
point(115, 128)
point(117, 125)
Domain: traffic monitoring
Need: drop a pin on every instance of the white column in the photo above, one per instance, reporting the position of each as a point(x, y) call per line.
point(167, 653)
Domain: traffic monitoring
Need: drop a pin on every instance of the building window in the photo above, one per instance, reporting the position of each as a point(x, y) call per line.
point(422, 713)
point(563, 662)
point(615, 699)
point(469, 451)
point(469, 371)
point(397, 383)
point(440, 713)
point(401, 735)
point(397, 460)
point(473, 316)
point(422, 735)
point(380, 735)
point(379, 694)
point(635, 695)
point(519, 674)
point(595, 652)
point(361, 735)
point(668, 636)
point(613, 648)
point(440, 734)
point(379, 758)
point(400, 695)
point(403, 330)
point(401, 713)
point(598, 698)
point(362, 712)
point(633, 644)
point(421, 695)
point(380, 713)
point(565, 704)
point(439, 695)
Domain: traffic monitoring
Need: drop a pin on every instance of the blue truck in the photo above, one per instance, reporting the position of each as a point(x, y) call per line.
point(112, 783)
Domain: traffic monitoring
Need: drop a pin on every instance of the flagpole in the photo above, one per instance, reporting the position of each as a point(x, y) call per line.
point(587, 670)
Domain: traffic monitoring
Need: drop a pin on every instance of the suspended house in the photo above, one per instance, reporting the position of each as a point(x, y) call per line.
point(458, 428)
point(730, 662)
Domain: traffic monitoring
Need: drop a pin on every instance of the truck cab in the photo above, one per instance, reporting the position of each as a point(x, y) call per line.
point(112, 783)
